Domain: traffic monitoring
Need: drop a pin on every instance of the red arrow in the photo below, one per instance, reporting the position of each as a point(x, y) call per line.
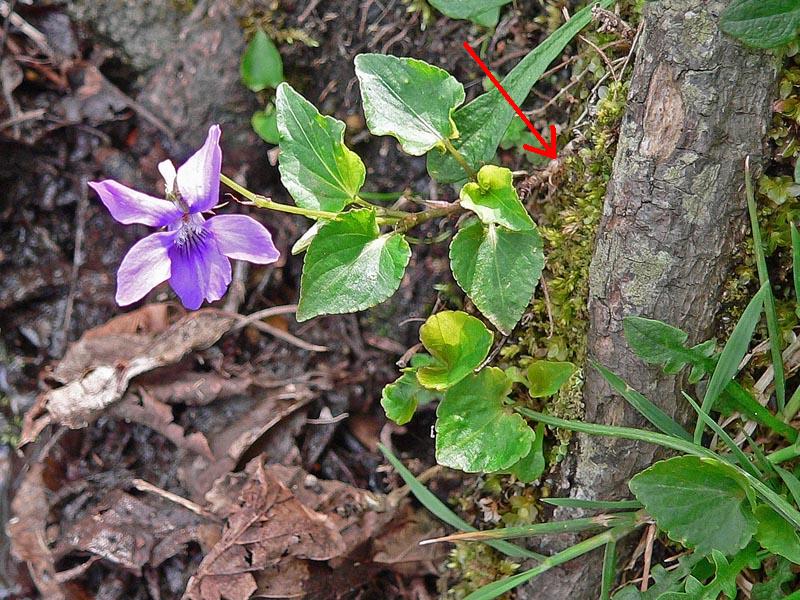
point(548, 150)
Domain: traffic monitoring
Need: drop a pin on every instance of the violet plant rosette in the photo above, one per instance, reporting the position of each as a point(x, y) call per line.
point(192, 252)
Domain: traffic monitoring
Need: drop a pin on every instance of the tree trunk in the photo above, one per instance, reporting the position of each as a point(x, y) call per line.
point(674, 211)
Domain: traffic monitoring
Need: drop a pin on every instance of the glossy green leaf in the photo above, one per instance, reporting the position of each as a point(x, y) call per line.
point(482, 122)
point(475, 430)
point(702, 503)
point(350, 266)
point(265, 124)
point(498, 269)
point(531, 466)
point(261, 65)
point(458, 342)
point(319, 171)
point(776, 535)
point(482, 12)
point(401, 398)
point(644, 406)
point(409, 100)
point(545, 377)
point(494, 199)
point(762, 23)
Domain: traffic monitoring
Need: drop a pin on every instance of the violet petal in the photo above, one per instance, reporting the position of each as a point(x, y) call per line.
point(243, 238)
point(198, 177)
point(199, 271)
point(128, 206)
point(145, 265)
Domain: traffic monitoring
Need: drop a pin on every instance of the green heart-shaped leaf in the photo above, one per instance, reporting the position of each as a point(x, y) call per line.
point(265, 124)
point(494, 199)
point(545, 377)
point(498, 269)
point(319, 171)
point(458, 342)
point(409, 100)
point(261, 65)
point(482, 12)
point(702, 503)
point(475, 430)
point(531, 466)
point(762, 23)
point(350, 266)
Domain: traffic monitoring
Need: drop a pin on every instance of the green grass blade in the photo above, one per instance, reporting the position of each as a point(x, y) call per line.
point(732, 355)
point(594, 504)
point(796, 261)
point(429, 500)
point(743, 401)
point(609, 570)
point(791, 482)
point(769, 298)
point(741, 457)
point(497, 588)
point(660, 420)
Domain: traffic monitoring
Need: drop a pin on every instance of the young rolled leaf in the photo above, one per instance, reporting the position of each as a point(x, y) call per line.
point(409, 100)
point(319, 171)
point(498, 269)
point(261, 66)
point(531, 466)
point(401, 398)
point(350, 266)
point(482, 122)
point(762, 23)
point(545, 377)
point(475, 430)
point(701, 503)
point(494, 199)
point(458, 343)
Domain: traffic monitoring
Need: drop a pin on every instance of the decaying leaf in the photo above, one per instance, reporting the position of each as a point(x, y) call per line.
point(26, 529)
point(83, 399)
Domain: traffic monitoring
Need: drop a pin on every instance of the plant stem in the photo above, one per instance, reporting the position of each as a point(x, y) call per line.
point(792, 406)
point(415, 219)
point(459, 159)
point(268, 203)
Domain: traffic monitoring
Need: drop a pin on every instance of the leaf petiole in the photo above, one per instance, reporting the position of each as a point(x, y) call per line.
point(268, 203)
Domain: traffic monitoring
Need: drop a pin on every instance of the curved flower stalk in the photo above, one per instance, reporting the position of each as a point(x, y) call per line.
point(192, 252)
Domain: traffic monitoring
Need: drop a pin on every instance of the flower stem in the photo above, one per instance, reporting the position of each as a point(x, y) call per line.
point(459, 159)
point(268, 203)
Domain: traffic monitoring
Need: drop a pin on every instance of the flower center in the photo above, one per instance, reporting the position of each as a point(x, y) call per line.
point(190, 232)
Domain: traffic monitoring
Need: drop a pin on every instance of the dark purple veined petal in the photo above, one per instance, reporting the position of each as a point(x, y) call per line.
point(199, 271)
point(128, 206)
point(243, 238)
point(145, 265)
point(198, 177)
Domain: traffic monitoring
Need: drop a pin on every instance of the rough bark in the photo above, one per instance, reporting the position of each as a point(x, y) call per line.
point(699, 103)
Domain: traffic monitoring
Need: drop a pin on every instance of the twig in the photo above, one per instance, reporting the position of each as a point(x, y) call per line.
point(603, 54)
point(77, 261)
point(36, 36)
point(547, 305)
point(648, 556)
point(28, 115)
point(144, 486)
point(255, 321)
point(308, 10)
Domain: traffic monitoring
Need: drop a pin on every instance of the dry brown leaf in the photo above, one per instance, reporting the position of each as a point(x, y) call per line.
point(82, 400)
point(265, 523)
point(26, 529)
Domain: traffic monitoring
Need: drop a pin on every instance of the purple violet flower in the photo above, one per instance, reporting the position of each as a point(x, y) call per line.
point(192, 253)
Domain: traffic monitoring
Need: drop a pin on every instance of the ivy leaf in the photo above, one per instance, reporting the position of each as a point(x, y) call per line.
point(458, 342)
point(475, 430)
point(701, 503)
point(401, 398)
point(350, 266)
point(545, 377)
point(776, 535)
point(409, 100)
point(762, 23)
point(261, 66)
point(265, 124)
point(482, 122)
point(319, 171)
point(494, 199)
point(531, 466)
point(498, 269)
point(482, 12)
